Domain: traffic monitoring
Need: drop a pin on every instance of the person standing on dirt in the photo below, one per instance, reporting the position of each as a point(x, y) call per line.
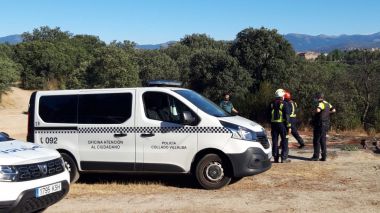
point(227, 105)
point(292, 107)
point(280, 126)
point(321, 124)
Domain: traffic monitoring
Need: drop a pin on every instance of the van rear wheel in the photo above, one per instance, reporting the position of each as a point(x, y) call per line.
point(211, 172)
point(71, 166)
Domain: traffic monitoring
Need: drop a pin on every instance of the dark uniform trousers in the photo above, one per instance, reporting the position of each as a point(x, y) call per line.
point(294, 131)
point(279, 129)
point(319, 140)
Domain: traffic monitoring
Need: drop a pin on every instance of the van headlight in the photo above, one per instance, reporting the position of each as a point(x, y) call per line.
point(239, 132)
point(64, 165)
point(244, 134)
point(8, 173)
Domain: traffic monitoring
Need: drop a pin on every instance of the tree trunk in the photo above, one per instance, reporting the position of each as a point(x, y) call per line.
point(367, 98)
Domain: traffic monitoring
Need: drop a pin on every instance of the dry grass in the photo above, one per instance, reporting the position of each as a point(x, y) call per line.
point(347, 182)
point(109, 189)
point(359, 132)
point(283, 176)
point(286, 176)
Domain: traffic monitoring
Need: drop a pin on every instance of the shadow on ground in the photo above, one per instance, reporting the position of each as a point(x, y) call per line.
point(174, 180)
point(299, 158)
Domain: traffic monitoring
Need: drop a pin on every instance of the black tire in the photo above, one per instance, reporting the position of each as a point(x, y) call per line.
point(235, 180)
point(71, 167)
point(211, 172)
point(40, 211)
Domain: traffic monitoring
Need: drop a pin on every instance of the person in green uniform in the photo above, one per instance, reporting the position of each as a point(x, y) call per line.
point(227, 105)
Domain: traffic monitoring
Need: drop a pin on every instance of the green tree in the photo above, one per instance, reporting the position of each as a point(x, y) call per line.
point(87, 42)
point(182, 51)
point(214, 72)
point(200, 41)
point(52, 59)
point(181, 55)
point(6, 50)
point(46, 33)
point(256, 105)
point(45, 65)
point(112, 67)
point(9, 74)
point(128, 46)
point(367, 78)
point(156, 65)
point(331, 78)
point(265, 54)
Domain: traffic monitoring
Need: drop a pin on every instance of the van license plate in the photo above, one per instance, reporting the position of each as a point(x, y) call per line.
point(45, 190)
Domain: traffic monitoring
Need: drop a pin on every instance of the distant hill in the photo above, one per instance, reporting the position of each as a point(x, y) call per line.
point(319, 43)
point(325, 43)
point(154, 46)
point(11, 39)
point(300, 42)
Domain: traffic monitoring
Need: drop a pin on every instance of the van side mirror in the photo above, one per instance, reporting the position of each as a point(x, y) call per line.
point(188, 118)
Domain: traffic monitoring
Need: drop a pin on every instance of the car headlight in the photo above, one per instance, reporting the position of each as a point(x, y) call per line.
point(239, 132)
point(8, 173)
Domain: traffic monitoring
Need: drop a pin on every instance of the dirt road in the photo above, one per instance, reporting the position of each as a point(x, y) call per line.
point(13, 113)
point(347, 182)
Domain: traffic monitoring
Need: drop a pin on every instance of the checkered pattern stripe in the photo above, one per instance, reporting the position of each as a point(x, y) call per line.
point(55, 131)
point(154, 130)
point(96, 130)
point(105, 129)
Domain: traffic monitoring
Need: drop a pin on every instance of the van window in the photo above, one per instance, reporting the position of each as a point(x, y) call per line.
point(111, 108)
point(58, 108)
point(163, 107)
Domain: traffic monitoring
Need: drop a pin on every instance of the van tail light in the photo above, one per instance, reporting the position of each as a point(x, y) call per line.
point(30, 131)
point(28, 124)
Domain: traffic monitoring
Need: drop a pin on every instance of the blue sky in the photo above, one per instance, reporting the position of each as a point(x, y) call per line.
point(158, 21)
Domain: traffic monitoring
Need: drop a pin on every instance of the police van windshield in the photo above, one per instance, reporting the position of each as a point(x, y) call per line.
point(203, 103)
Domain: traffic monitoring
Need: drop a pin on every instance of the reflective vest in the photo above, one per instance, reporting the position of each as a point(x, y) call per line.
point(293, 111)
point(323, 118)
point(277, 108)
point(325, 111)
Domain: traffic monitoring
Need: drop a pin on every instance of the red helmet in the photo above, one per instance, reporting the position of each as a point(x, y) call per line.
point(287, 96)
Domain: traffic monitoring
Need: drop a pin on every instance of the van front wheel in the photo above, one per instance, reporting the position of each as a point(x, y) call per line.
point(71, 167)
point(211, 172)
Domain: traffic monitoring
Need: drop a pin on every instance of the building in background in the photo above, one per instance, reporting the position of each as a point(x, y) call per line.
point(309, 55)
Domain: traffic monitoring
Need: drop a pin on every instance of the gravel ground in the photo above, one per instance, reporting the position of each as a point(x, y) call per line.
point(347, 182)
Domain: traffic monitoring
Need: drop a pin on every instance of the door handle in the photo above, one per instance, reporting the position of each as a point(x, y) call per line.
point(145, 135)
point(119, 135)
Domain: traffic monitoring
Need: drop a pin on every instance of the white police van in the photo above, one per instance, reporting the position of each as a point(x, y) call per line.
point(31, 177)
point(148, 129)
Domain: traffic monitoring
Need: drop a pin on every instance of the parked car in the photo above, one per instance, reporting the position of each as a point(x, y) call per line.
point(32, 177)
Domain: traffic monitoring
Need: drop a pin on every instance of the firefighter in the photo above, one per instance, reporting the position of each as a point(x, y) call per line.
point(321, 124)
point(292, 107)
point(280, 126)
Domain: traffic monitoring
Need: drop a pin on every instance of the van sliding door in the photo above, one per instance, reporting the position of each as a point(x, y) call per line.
point(105, 127)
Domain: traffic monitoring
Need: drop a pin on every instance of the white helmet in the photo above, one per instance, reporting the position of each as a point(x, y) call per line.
point(279, 93)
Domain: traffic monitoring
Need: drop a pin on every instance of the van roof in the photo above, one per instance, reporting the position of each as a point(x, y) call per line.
point(164, 83)
point(111, 89)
